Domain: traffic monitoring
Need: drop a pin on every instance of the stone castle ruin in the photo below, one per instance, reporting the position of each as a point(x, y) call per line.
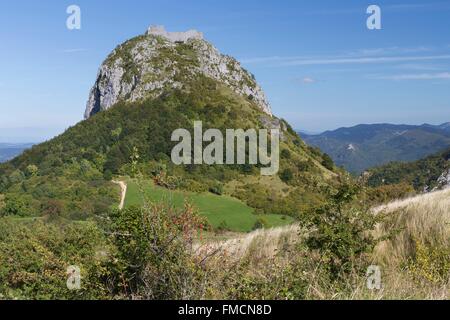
point(175, 36)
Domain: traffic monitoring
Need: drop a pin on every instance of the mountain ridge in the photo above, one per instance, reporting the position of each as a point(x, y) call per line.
point(364, 146)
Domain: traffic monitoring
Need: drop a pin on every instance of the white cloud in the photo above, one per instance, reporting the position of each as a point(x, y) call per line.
point(308, 80)
point(421, 76)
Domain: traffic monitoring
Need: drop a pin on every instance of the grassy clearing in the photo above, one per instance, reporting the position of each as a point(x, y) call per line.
point(219, 210)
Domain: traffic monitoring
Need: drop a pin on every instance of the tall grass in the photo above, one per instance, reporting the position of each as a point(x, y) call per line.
point(415, 260)
point(423, 219)
point(261, 243)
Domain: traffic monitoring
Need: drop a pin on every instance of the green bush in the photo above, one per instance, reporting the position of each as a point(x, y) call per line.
point(107, 175)
point(342, 231)
point(285, 154)
point(35, 256)
point(327, 162)
point(14, 205)
point(217, 189)
point(156, 260)
point(286, 175)
point(260, 223)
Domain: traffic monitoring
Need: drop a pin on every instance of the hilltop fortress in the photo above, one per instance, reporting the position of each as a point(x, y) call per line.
point(175, 36)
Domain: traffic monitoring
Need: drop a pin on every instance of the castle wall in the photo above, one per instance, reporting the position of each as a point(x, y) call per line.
point(175, 36)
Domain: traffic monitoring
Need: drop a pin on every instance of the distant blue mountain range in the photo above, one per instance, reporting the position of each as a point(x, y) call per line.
point(9, 151)
point(368, 145)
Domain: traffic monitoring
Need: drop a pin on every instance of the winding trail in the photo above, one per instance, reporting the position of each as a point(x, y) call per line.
point(123, 191)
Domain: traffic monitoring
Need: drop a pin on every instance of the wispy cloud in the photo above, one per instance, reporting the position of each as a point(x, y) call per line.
point(413, 6)
point(390, 51)
point(420, 66)
point(337, 11)
point(400, 7)
point(269, 59)
point(409, 6)
point(363, 60)
point(361, 56)
point(75, 50)
point(421, 76)
point(341, 59)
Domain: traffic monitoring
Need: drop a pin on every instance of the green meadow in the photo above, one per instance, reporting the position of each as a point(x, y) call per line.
point(219, 210)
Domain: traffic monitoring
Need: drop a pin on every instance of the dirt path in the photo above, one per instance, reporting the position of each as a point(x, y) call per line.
point(123, 191)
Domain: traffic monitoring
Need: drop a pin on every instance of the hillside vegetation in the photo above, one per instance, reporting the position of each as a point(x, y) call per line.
point(159, 252)
point(70, 175)
point(421, 175)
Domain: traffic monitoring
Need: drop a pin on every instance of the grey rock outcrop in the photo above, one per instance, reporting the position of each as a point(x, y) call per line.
point(146, 66)
point(444, 180)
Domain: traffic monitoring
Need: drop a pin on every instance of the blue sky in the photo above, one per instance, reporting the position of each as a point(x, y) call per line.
point(317, 61)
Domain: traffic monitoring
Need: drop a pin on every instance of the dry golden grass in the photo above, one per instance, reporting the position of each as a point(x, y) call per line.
point(424, 219)
point(261, 243)
point(420, 221)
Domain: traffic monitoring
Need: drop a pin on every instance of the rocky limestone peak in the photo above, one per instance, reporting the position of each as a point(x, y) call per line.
point(148, 65)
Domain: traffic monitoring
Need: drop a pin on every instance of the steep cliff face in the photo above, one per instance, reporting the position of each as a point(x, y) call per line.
point(146, 66)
